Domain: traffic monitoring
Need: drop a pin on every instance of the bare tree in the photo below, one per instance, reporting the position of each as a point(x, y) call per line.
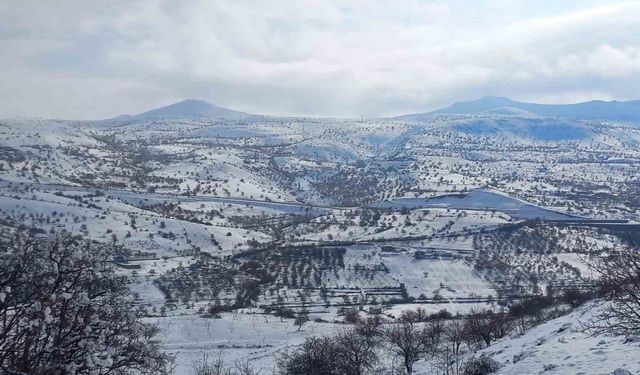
point(450, 355)
point(357, 352)
point(411, 343)
point(301, 318)
point(369, 328)
point(479, 328)
point(413, 316)
point(619, 284)
point(484, 326)
point(63, 310)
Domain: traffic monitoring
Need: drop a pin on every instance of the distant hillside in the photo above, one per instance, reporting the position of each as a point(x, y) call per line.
point(628, 111)
point(186, 109)
point(538, 129)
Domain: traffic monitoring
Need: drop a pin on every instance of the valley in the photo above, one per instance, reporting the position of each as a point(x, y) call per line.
point(230, 226)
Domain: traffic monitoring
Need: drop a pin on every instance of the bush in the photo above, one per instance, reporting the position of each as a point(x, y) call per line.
point(575, 298)
point(316, 356)
point(530, 306)
point(442, 314)
point(351, 316)
point(480, 366)
point(217, 366)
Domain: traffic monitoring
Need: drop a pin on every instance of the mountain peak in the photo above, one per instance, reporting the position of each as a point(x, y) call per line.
point(493, 98)
point(191, 109)
point(197, 102)
point(486, 103)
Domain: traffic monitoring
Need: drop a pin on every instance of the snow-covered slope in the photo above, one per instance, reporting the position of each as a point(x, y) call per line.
point(538, 129)
point(561, 347)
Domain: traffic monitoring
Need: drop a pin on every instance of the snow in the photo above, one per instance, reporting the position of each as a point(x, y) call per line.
point(561, 346)
point(256, 338)
point(252, 172)
point(450, 278)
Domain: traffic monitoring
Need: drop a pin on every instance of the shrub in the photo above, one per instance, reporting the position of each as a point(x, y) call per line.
point(480, 366)
point(575, 298)
point(217, 366)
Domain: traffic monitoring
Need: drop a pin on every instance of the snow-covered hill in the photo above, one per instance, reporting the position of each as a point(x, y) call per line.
point(628, 111)
point(187, 109)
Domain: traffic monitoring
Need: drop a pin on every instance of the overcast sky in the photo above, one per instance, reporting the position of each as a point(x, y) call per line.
point(98, 59)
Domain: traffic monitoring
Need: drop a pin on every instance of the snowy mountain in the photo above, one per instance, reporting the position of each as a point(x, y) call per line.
point(628, 111)
point(190, 109)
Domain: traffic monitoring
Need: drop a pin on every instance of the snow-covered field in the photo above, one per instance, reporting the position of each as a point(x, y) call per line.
point(235, 337)
point(558, 346)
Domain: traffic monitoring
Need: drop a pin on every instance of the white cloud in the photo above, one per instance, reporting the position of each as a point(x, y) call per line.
point(312, 57)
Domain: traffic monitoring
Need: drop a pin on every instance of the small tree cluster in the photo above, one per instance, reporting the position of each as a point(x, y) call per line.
point(351, 352)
